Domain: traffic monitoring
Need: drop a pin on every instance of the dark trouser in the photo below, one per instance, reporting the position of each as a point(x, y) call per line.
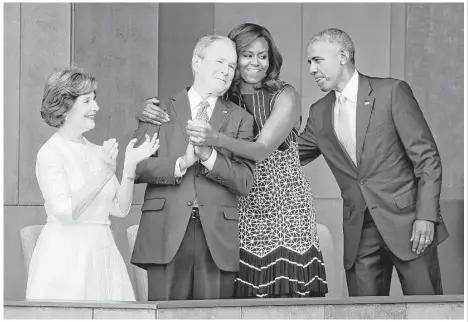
point(192, 274)
point(371, 274)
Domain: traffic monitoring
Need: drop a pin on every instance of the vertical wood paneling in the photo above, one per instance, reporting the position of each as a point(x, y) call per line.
point(369, 26)
point(180, 26)
point(11, 107)
point(118, 43)
point(286, 31)
point(45, 45)
point(398, 40)
point(14, 271)
point(434, 70)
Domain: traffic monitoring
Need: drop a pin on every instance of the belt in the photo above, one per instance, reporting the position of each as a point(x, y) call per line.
point(195, 214)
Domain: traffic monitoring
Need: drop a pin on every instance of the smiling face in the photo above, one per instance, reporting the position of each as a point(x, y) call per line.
point(326, 64)
point(254, 61)
point(215, 70)
point(83, 113)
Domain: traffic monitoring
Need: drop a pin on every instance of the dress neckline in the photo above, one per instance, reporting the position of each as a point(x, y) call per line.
point(86, 142)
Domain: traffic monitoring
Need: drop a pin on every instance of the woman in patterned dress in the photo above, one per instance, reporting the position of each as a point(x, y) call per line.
point(279, 247)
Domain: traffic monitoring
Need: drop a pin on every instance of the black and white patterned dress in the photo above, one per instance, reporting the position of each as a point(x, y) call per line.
point(279, 246)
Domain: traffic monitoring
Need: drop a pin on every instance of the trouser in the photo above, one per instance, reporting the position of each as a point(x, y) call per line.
point(192, 273)
point(371, 274)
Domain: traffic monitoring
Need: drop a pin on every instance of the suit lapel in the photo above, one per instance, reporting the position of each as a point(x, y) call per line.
point(220, 113)
point(330, 127)
point(182, 110)
point(364, 106)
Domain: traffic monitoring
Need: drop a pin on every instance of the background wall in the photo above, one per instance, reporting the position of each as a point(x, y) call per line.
point(141, 50)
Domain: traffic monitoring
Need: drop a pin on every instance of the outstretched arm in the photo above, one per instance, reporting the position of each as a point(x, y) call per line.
point(285, 115)
point(308, 149)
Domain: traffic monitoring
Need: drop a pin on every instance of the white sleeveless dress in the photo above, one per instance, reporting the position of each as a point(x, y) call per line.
point(76, 259)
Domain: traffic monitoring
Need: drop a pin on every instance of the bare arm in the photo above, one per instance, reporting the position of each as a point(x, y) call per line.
point(235, 173)
point(286, 113)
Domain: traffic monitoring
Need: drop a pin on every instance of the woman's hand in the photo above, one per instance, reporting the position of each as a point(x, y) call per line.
point(135, 155)
point(152, 113)
point(202, 134)
point(109, 154)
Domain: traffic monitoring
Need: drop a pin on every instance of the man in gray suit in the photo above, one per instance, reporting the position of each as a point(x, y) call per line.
point(380, 149)
point(188, 238)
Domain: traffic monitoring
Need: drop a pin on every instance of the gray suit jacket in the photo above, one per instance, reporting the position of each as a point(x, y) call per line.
point(398, 174)
point(167, 206)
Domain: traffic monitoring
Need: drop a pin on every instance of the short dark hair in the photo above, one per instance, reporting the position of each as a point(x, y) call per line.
point(60, 92)
point(336, 36)
point(245, 34)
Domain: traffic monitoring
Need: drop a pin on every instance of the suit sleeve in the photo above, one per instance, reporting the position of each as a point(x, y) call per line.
point(308, 149)
point(420, 148)
point(237, 174)
point(155, 169)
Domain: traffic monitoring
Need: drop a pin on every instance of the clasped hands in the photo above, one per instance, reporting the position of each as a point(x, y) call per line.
point(201, 138)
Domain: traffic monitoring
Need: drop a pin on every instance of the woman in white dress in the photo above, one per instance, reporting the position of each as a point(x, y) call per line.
point(76, 257)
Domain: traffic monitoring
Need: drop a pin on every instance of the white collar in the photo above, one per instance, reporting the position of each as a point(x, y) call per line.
point(351, 89)
point(195, 99)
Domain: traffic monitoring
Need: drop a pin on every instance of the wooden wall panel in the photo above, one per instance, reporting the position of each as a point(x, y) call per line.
point(118, 43)
point(45, 45)
point(434, 69)
point(14, 271)
point(11, 106)
point(398, 40)
point(286, 30)
point(368, 25)
point(180, 26)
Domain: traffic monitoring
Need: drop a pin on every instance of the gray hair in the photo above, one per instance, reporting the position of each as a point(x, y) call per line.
point(336, 36)
point(60, 92)
point(206, 41)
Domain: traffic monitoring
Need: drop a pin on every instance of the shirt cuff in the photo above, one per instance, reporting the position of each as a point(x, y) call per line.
point(209, 163)
point(177, 172)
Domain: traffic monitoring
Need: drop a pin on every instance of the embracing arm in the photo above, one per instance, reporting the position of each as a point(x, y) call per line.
point(420, 148)
point(286, 113)
point(236, 173)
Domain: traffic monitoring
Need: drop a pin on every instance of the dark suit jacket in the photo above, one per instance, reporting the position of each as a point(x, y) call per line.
point(398, 174)
point(168, 202)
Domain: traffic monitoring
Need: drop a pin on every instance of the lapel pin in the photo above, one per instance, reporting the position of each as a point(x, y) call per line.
point(224, 111)
point(366, 103)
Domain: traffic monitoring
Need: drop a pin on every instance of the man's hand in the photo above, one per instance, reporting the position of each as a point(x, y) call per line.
point(152, 113)
point(203, 152)
point(201, 133)
point(423, 235)
point(188, 159)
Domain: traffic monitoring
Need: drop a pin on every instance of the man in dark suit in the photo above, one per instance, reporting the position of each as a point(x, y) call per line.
point(188, 235)
point(380, 149)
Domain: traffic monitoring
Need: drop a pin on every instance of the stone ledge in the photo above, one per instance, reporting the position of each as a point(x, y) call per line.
point(434, 307)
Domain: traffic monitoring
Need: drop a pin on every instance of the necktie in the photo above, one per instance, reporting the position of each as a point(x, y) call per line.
point(343, 127)
point(202, 113)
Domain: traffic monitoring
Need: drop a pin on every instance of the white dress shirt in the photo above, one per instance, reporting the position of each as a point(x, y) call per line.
point(350, 93)
point(195, 99)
